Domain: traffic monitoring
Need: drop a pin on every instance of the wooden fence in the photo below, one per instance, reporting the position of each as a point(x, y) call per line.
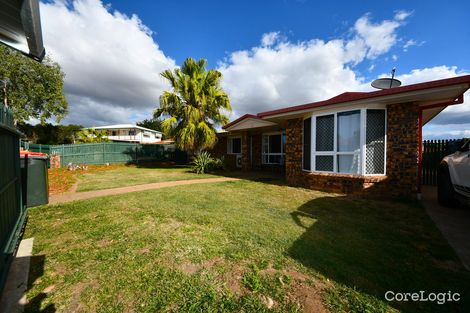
point(433, 152)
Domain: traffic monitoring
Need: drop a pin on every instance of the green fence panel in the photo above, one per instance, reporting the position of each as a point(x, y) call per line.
point(12, 211)
point(116, 152)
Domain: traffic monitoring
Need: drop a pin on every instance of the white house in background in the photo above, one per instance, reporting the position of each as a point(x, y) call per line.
point(131, 133)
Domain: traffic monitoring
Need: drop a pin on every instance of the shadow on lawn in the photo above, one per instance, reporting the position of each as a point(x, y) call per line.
point(36, 271)
point(376, 246)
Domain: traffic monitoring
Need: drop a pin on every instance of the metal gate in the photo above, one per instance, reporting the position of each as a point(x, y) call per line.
point(12, 211)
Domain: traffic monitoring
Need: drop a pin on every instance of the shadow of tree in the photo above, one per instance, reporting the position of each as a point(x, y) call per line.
point(377, 246)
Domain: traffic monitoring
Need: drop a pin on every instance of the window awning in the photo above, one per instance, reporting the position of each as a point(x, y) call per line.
point(20, 27)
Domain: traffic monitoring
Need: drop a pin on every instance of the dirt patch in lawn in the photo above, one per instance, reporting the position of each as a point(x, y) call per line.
point(309, 298)
point(75, 304)
point(304, 290)
point(191, 268)
point(62, 180)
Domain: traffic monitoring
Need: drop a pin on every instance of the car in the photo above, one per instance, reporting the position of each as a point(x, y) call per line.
point(453, 181)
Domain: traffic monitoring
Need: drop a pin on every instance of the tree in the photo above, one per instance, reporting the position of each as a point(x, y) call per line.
point(152, 123)
point(50, 134)
point(33, 90)
point(91, 135)
point(195, 107)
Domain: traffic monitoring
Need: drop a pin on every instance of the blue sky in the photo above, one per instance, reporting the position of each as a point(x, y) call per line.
point(212, 29)
point(271, 53)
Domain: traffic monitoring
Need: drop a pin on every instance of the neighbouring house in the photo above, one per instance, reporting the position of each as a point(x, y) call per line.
point(131, 133)
point(362, 143)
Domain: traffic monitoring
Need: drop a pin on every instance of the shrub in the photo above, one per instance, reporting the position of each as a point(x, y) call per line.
point(219, 164)
point(202, 162)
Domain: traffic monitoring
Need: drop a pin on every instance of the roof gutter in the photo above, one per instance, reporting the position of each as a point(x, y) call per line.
point(31, 21)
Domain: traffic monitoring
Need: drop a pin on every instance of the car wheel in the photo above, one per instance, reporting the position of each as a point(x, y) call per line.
point(445, 189)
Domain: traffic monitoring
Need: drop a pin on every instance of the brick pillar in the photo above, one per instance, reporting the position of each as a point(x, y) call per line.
point(246, 164)
point(293, 154)
point(402, 149)
point(256, 153)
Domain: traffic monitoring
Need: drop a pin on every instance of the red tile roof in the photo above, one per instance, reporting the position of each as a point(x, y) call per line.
point(354, 96)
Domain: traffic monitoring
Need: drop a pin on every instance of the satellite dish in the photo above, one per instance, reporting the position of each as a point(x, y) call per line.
point(386, 83)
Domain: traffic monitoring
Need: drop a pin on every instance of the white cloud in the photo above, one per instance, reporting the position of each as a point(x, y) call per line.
point(401, 15)
point(112, 66)
point(378, 37)
point(279, 73)
point(454, 120)
point(269, 39)
point(111, 62)
point(410, 43)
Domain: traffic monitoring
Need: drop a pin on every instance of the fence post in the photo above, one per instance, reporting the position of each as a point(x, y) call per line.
point(62, 159)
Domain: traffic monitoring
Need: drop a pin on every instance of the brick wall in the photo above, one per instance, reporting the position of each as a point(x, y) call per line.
point(220, 150)
point(402, 148)
point(246, 164)
point(257, 145)
point(293, 153)
point(402, 160)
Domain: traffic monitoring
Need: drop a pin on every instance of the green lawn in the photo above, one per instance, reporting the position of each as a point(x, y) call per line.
point(131, 175)
point(239, 246)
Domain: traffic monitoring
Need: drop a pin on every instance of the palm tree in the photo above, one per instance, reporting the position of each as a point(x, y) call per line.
point(195, 107)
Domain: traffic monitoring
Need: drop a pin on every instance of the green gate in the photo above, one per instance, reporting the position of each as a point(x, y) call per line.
point(12, 211)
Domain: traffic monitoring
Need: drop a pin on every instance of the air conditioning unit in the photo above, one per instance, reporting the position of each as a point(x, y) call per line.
point(239, 160)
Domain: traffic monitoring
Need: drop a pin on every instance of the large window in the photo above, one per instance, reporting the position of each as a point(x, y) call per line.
point(234, 145)
point(273, 148)
point(350, 142)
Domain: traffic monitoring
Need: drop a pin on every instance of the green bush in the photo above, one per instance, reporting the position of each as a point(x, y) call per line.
point(219, 164)
point(202, 162)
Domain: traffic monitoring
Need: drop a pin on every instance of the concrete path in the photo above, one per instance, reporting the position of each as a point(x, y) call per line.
point(13, 297)
point(454, 223)
point(72, 196)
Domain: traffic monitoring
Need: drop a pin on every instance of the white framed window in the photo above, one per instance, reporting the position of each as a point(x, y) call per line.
point(348, 142)
point(273, 148)
point(234, 145)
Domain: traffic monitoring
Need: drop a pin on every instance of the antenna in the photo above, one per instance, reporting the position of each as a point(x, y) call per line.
point(386, 83)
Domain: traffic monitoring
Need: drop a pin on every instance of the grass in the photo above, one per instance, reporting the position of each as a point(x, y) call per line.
point(239, 246)
point(113, 176)
point(61, 179)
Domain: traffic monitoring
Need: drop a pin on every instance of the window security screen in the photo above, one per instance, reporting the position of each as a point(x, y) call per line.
point(375, 142)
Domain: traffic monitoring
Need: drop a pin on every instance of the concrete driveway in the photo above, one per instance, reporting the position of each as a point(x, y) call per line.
point(454, 223)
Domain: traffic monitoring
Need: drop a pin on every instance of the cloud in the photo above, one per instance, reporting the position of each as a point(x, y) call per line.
point(402, 15)
point(379, 37)
point(410, 43)
point(112, 66)
point(454, 120)
point(279, 72)
point(269, 39)
point(111, 61)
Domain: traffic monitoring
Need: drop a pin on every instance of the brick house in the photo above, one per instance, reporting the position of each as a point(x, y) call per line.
point(363, 143)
